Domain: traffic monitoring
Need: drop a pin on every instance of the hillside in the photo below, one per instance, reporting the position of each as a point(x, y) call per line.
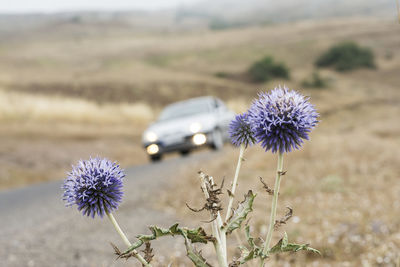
point(76, 85)
point(114, 64)
point(205, 14)
point(253, 11)
point(61, 89)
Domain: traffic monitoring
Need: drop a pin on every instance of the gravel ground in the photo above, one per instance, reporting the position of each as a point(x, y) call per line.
point(37, 230)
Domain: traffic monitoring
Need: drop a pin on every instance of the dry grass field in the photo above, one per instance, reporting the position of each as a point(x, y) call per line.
point(343, 186)
point(66, 94)
point(41, 135)
point(69, 90)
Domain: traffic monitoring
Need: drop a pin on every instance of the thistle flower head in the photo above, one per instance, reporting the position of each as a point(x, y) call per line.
point(95, 186)
point(281, 119)
point(240, 131)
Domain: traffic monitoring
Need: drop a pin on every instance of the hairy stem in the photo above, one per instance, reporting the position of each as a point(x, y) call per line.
point(274, 206)
point(216, 229)
point(234, 184)
point(232, 196)
point(222, 234)
point(125, 239)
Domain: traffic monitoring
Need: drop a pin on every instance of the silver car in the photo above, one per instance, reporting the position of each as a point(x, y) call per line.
point(187, 125)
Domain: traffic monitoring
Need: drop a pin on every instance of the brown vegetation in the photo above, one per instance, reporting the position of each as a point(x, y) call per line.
point(343, 186)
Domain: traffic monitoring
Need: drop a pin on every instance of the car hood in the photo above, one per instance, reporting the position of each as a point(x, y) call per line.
point(181, 125)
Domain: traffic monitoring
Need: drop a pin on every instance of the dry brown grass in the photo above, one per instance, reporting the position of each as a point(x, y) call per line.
point(343, 185)
point(41, 136)
point(160, 68)
point(20, 106)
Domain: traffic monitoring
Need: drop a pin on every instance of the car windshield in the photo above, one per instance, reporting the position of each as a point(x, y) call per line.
point(183, 110)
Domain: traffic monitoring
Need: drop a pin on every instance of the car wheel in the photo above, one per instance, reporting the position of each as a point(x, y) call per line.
point(155, 158)
point(217, 139)
point(184, 153)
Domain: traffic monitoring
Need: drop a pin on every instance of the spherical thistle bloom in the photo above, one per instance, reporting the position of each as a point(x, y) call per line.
point(282, 119)
point(94, 186)
point(240, 131)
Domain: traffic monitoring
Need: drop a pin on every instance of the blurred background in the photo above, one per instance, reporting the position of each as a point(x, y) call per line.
point(82, 78)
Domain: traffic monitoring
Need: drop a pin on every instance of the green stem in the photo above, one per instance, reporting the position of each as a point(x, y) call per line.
point(234, 184)
point(125, 239)
point(222, 235)
point(273, 207)
point(231, 198)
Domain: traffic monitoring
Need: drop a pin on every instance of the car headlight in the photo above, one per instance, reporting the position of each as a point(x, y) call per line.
point(195, 127)
point(152, 149)
point(199, 139)
point(151, 136)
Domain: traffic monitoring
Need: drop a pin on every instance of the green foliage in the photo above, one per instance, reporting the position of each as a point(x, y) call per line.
point(240, 214)
point(194, 255)
point(252, 252)
point(267, 69)
point(347, 56)
point(284, 246)
point(316, 81)
point(197, 235)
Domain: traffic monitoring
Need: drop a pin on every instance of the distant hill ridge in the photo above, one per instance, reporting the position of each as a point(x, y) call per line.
point(214, 14)
point(289, 10)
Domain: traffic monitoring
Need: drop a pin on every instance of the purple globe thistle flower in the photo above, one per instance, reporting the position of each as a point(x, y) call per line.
point(281, 119)
point(95, 186)
point(240, 131)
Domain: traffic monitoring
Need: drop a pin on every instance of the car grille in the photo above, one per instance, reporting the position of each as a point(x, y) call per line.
point(173, 138)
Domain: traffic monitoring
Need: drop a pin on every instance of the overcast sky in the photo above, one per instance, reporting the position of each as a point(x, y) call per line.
point(22, 6)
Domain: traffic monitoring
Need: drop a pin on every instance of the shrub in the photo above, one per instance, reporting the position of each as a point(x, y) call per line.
point(266, 69)
point(221, 74)
point(316, 81)
point(220, 24)
point(347, 56)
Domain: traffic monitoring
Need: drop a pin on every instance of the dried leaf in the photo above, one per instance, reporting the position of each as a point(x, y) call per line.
point(122, 255)
point(213, 203)
point(282, 172)
point(148, 252)
point(284, 220)
point(266, 187)
point(230, 194)
point(234, 263)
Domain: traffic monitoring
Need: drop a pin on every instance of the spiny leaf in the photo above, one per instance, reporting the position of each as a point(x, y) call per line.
point(240, 213)
point(253, 252)
point(193, 255)
point(197, 235)
point(284, 246)
point(159, 232)
point(250, 239)
point(246, 254)
point(285, 240)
